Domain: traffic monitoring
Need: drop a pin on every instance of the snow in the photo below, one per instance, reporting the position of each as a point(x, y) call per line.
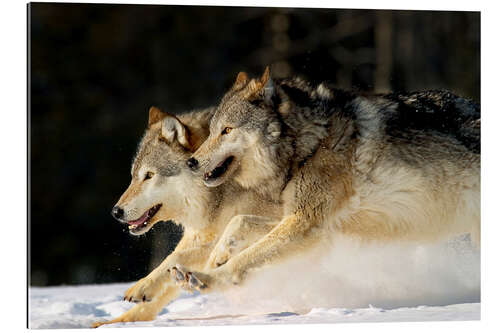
point(80, 306)
point(390, 283)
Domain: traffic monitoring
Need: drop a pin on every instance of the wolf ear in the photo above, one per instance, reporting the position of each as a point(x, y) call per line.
point(241, 81)
point(268, 85)
point(261, 89)
point(155, 115)
point(171, 127)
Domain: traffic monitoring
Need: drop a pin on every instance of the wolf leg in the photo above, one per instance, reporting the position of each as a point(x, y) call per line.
point(147, 288)
point(283, 241)
point(193, 250)
point(319, 191)
point(145, 311)
point(241, 232)
point(292, 235)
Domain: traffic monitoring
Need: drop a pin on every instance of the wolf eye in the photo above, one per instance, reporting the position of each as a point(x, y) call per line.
point(226, 130)
point(148, 175)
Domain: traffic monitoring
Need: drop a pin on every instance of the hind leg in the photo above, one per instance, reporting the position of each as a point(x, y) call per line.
point(241, 232)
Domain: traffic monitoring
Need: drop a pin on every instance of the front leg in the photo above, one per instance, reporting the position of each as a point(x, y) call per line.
point(315, 195)
point(157, 289)
point(293, 234)
point(155, 282)
point(241, 232)
point(145, 311)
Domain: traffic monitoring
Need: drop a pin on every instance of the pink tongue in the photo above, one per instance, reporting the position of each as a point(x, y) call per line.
point(140, 220)
point(220, 164)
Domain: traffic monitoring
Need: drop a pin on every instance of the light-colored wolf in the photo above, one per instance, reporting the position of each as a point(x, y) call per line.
point(163, 188)
point(379, 168)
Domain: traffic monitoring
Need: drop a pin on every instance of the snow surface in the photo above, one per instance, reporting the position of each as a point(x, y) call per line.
point(398, 282)
point(80, 306)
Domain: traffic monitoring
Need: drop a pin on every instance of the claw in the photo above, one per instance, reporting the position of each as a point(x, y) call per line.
point(194, 282)
point(179, 275)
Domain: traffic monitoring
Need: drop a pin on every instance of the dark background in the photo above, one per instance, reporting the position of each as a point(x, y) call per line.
point(96, 69)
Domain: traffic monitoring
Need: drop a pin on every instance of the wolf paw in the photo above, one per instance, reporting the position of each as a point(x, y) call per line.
point(140, 312)
point(144, 290)
point(222, 253)
point(189, 281)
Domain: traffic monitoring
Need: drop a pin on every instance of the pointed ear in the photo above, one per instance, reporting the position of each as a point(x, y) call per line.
point(155, 115)
point(172, 129)
point(261, 89)
point(241, 81)
point(265, 76)
point(268, 86)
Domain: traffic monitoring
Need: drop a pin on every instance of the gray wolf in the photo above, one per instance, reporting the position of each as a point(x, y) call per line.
point(164, 188)
point(375, 167)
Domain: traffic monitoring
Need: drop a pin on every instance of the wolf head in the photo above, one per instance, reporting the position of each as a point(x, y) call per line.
point(244, 134)
point(162, 186)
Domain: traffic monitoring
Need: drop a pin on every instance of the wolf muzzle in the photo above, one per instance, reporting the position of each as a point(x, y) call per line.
point(117, 212)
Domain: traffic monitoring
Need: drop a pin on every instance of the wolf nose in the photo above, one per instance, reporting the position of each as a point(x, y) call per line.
point(117, 212)
point(192, 163)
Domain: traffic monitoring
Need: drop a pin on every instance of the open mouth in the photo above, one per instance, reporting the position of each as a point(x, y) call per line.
point(219, 170)
point(142, 222)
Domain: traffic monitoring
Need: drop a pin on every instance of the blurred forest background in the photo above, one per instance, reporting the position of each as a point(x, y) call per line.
point(96, 69)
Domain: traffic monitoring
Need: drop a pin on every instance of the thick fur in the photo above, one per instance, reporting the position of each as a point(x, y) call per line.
point(204, 212)
point(379, 168)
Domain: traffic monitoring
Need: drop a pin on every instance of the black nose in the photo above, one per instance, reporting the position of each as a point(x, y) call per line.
point(192, 163)
point(117, 212)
